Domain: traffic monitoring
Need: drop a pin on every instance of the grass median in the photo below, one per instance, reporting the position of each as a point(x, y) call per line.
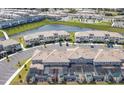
point(20, 78)
point(1, 34)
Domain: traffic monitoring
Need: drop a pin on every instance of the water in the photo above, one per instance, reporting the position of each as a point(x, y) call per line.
point(52, 27)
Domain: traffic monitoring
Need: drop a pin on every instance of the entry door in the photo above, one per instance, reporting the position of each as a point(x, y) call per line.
point(55, 75)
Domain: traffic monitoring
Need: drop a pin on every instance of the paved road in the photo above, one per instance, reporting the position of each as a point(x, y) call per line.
point(7, 69)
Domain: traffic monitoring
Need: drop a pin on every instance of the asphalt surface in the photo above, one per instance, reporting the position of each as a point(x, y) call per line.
point(7, 69)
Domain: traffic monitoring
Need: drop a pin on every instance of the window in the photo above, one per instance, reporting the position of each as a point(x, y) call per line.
point(41, 36)
point(77, 37)
point(55, 35)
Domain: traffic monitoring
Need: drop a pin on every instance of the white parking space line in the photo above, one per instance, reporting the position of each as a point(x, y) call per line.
point(100, 50)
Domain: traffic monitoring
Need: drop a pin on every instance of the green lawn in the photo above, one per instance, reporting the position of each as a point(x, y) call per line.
point(22, 75)
point(25, 27)
point(104, 23)
point(22, 41)
point(1, 34)
point(102, 83)
point(29, 26)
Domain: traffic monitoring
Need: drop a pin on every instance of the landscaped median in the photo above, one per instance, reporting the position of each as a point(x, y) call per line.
point(72, 37)
point(30, 26)
point(20, 78)
point(1, 34)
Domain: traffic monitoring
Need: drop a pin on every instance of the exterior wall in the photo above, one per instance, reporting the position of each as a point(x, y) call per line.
point(12, 48)
point(121, 40)
point(98, 38)
point(118, 24)
point(9, 49)
point(51, 70)
point(3, 54)
point(1, 47)
point(81, 39)
point(32, 42)
point(107, 63)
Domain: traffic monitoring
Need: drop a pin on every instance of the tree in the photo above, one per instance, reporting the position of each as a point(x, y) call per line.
point(7, 58)
point(21, 81)
point(72, 11)
point(45, 45)
point(19, 64)
point(108, 14)
point(25, 66)
point(73, 43)
point(60, 43)
point(20, 76)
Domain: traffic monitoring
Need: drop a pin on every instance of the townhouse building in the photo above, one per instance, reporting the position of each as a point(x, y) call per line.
point(72, 63)
point(9, 46)
point(118, 21)
point(46, 37)
point(98, 36)
point(2, 52)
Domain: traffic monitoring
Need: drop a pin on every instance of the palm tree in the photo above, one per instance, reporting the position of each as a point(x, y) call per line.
point(25, 66)
point(19, 64)
point(73, 43)
point(60, 41)
point(20, 76)
point(21, 81)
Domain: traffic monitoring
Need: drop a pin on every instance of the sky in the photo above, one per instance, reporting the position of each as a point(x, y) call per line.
point(62, 3)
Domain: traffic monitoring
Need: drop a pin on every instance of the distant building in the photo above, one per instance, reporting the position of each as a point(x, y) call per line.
point(10, 46)
point(118, 23)
point(1, 47)
point(45, 37)
point(98, 36)
point(2, 52)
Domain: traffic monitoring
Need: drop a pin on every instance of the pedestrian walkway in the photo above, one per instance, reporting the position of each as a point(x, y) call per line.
point(5, 34)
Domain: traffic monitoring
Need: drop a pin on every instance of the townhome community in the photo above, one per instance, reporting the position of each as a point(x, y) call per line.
point(61, 46)
point(78, 64)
